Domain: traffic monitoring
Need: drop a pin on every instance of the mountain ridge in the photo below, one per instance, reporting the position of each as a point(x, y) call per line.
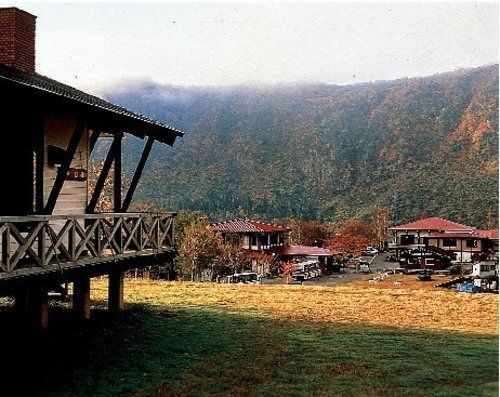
point(328, 152)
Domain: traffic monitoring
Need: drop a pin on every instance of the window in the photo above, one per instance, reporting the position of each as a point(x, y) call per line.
point(254, 240)
point(471, 243)
point(449, 242)
point(408, 239)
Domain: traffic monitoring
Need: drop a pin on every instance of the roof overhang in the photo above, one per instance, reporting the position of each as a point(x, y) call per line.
point(51, 96)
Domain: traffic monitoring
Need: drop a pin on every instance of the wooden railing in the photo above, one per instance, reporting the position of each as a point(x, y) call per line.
point(29, 243)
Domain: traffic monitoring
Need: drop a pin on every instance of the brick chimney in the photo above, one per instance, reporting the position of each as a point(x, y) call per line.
point(17, 39)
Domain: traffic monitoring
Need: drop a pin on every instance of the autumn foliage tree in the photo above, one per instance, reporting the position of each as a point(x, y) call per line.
point(351, 237)
point(308, 232)
point(287, 269)
point(198, 245)
point(231, 258)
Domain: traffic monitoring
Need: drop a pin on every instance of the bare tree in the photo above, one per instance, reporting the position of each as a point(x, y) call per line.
point(380, 222)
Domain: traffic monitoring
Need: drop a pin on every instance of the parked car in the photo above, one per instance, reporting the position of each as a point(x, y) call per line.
point(370, 250)
point(467, 287)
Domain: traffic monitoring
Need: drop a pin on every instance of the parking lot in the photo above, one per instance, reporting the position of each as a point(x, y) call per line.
point(377, 264)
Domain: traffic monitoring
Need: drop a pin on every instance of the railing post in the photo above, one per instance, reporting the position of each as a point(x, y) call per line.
point(42, 243)
point(139, 233)
point(172, 234)
point(72, 240)
point(158, 231)
point(97, 237)
point(119, 233)
point(6, 247)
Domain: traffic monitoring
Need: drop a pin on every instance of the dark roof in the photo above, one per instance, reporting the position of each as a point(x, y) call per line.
point(246, 226)
point(43, 84)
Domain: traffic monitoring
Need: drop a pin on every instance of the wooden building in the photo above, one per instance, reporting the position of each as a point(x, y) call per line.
point(465, 242)
point(266, 243)
point(256, 238)
point(49, 231)
point(252, 235)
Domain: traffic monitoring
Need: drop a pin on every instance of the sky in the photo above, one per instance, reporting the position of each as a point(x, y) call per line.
point(98, 45)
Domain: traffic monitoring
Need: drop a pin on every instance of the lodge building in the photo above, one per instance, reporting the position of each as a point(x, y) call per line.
point(49, 229)
point(465, 242)
point(264, 242)
point(252, 235)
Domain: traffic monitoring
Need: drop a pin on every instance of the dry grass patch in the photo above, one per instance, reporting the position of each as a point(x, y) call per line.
point(356, 304)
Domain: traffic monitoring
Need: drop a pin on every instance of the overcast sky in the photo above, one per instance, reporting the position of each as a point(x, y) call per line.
point(96, 45)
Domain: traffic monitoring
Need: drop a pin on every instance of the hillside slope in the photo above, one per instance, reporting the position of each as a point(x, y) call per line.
point(327, 152)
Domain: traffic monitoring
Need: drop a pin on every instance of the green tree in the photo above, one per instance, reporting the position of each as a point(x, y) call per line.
point(308, 232)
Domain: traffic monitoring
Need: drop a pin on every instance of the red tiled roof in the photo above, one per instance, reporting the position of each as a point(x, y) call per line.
point(492, 233)
point(433, 223)
point(246, 226)
point(302, 250)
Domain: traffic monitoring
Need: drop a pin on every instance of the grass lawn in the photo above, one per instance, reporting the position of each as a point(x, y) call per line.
point(179, 339)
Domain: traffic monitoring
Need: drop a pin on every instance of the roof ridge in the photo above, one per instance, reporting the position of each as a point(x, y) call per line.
point(229, 221)
point(444, 223)
point(456, 223)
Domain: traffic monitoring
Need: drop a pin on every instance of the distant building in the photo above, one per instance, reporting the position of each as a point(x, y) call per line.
point(465, 242)
point(252, 235)
point(267, 243)
point(325, 257)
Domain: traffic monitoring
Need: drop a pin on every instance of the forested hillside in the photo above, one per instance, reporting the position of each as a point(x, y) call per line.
point(421, 146)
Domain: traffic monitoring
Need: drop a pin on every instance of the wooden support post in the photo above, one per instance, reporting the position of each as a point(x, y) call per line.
point(115, 291)
point(137, 174)
point(102, 179)
point(93, 140)
point(39, 308)
point(117, 147)
point(81, 297)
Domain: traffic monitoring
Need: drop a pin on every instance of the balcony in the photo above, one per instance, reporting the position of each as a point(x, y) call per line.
point(34, 245)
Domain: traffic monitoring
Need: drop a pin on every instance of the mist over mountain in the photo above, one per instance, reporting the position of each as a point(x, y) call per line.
point(316, 151)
